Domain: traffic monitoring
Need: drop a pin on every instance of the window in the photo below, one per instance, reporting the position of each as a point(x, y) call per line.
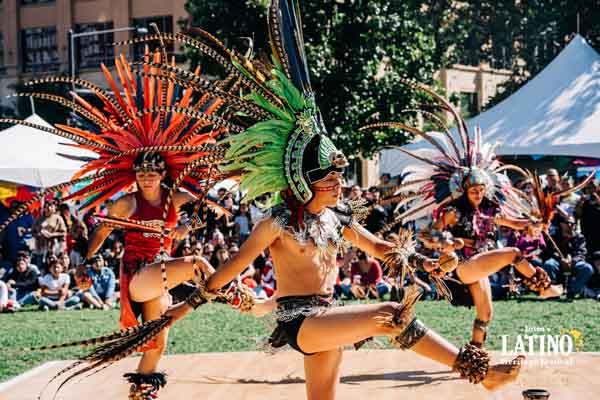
point(40, 52)
point(93, 50)
point(468, 104)
point(164, 23)
point(28, 2)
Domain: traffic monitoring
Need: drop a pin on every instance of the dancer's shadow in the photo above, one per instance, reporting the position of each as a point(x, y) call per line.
point(410, 378)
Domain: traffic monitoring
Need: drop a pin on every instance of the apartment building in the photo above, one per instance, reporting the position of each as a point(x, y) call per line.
point(35, 41)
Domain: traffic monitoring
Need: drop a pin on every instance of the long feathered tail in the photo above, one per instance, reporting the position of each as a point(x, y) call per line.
point(120, 344)
point(111, 348)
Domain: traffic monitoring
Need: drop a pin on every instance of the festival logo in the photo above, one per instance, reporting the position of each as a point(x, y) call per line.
point(543, 346)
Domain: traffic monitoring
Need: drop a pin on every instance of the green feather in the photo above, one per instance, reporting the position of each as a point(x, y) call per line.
point(293, 95)
point(267, 106)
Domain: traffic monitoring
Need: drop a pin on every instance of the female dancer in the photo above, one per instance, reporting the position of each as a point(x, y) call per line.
point(160, 136)
point(469, 198)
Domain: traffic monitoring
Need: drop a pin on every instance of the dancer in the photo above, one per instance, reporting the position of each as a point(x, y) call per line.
point(469, 198)
point(146, 205)
point(161, 137)
point(290, 157)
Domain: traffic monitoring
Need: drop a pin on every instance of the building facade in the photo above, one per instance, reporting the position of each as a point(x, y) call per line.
point(35, 41)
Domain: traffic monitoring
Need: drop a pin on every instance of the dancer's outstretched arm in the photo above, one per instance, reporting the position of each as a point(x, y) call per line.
point(263, 235)
point(122, 208)
point(376, 247)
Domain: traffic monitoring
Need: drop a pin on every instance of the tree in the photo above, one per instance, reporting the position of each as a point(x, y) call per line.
point(358, 51)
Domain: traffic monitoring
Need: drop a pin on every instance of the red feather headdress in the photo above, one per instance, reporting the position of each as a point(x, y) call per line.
point(147, 111)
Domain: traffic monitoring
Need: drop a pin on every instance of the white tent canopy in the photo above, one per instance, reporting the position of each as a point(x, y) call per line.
point(556, 113)
point(29, 156)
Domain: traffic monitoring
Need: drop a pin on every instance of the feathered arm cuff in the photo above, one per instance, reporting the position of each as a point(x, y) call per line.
point(402, 258)
point(238, 296)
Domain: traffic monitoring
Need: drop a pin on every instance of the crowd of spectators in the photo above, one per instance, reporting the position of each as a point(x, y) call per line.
point(42, 259)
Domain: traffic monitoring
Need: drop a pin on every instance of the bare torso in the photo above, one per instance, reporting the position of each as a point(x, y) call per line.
point(300, 270)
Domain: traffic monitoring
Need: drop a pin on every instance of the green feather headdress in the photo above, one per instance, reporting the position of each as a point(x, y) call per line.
point(289, 149)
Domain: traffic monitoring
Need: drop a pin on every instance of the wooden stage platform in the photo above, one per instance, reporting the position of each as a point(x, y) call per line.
point(366, 374)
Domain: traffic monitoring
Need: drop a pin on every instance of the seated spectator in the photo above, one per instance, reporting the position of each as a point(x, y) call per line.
point(568, 203)
point(219, 257)
point(501, 284)
point(22, 280)
point(82, 287)
point(55, 293)
point(5, 265)
point(367, 279)
point(185, 249)
point(572, 268)
point(264, 276)
point(207, 252)
point(102, 282)
point(6, 304)
point(199, 250)
point(66, 262)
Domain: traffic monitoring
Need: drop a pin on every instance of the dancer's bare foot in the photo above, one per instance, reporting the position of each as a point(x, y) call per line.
point(552, 291)
point(502, 374)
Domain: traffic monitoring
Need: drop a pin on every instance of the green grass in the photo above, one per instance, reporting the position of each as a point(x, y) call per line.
point(217, 328)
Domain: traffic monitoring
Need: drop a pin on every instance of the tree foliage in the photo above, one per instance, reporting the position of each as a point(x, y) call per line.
point(358, 50)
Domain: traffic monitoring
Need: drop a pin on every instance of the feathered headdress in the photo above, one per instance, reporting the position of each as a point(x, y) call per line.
point(147, 122)
point(446, 170)
point(290, 149)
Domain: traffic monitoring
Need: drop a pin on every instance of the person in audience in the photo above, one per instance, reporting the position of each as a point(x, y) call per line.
point(568, 262)
point(103, 282)
point(55, 293)
point(49, 232)
point(23, 281)
point(18, 234)
point(552, 181)
point(243, 223)
point(366, 278)
point(7, 305)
